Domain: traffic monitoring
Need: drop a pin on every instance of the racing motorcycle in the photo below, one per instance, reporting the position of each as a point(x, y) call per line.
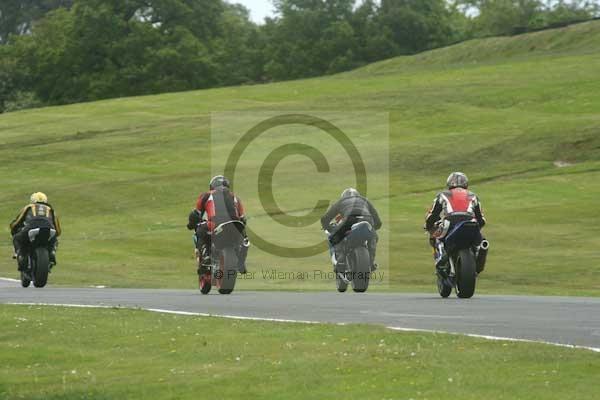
point(463, 253)
point(222, 267)
point(38, 257)
point(352, 260)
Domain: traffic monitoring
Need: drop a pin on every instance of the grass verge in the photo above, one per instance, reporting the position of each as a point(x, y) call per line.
point(57, 353)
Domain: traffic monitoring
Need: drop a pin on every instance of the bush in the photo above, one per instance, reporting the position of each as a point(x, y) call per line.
point(21, 101)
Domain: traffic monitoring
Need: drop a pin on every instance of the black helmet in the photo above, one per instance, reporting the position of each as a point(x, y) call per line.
point(457, 179)
point(218, 181)
point(350, 192)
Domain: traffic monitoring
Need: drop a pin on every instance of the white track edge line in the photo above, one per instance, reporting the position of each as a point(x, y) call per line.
point(497, 338)
point(9, 280)
point(164, 311)
point(240, 317)
point(264, 319)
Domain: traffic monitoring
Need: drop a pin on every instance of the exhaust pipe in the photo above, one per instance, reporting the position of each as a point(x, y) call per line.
point(482, 255)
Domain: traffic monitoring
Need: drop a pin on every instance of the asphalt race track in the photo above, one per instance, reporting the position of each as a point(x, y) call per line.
point(561, 320)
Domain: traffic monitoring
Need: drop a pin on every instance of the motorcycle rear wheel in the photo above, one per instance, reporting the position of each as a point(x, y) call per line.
point(227, 270)
point(465, 274)
point(360, 269)
point(41, 267)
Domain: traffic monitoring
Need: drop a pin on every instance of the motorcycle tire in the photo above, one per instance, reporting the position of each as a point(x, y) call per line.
point(361, 269)
point(41, 267)
point(465, 274)
point(227, 270)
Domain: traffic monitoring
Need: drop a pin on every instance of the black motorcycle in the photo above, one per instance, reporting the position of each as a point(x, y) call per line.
point(463, 250)
point(223, 266)
point(38, 257)
point(353, 262)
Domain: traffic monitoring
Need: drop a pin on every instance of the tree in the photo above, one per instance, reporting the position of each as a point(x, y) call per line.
point(108, 48)
point(239, 49)
point(18, 16)
point(416, 25)
point(309, 38)
point(561, 11)
point(503, 17)
point(506, 17)
point(7, 72)
point(64, 51)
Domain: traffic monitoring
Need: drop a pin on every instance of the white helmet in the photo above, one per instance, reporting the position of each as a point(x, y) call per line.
point(350, 192)
point(457, 179)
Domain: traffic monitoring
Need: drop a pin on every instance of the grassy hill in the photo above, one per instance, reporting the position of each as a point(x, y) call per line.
point(519, 115)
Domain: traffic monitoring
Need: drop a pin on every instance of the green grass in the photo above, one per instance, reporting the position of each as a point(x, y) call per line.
point(124, 173)
point(57, 353)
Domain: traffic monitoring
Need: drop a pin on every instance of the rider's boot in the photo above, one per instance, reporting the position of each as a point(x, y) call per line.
point(441, 260)
point(21, 260)
point(334, 261)
point(337, 259)
point(440, 255)
point(372, 259)
point(441, 267)
point(21, 252)
point(203, 258)
point(332, 255)
point(52, 258)
point(372, 246)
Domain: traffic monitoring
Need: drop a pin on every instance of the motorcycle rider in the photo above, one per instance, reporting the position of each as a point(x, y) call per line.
point(457, 200)
point(348, 210)
point(37, 214)
point(220, 205)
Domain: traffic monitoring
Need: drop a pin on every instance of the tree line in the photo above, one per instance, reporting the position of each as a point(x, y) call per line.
point(67, 51)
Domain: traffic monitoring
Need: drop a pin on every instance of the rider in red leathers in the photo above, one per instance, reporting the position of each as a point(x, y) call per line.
point(454, 204)
point(219, 205)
